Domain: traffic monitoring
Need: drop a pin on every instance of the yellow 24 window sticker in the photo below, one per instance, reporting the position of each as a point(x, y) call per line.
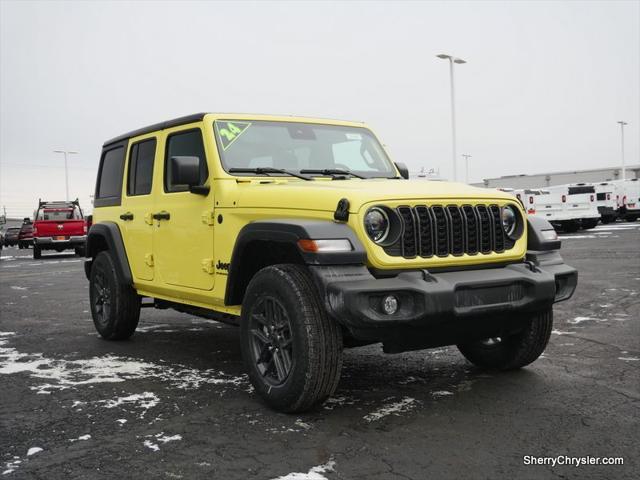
point(229, 132)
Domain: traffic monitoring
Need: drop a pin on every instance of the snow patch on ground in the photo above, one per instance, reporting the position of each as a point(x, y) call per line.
point(334, 402)
point(80, 438)
point(441, 393)
point(63, 374)
point(578, 320)
point(153, 446)
point(559, 332)
point(314, 473)
point(33, 451)
point(394, 408)
point(144, 400)
point(629, 359)
point(162, 438)
point(12, 466)
point(14, 287)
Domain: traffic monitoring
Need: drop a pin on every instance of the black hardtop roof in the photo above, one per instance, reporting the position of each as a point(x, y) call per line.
point(196, 117)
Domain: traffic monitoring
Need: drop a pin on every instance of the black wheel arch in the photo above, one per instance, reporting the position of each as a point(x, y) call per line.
point(107, 236)
point(269, 242)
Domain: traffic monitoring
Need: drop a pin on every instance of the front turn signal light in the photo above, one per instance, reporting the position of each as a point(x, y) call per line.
point(325, 245)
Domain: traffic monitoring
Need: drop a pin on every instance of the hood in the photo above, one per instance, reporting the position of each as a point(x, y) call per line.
point(323, 194)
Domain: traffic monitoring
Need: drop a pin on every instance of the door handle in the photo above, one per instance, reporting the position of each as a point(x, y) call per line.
point(162, 215)
point(126, 216)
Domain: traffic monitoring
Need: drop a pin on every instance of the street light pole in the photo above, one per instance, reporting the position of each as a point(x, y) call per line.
point(66, 169)
point(466, 159)
point(622, 124)
point(453, 60)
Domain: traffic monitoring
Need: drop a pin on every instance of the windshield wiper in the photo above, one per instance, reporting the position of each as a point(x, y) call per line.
point(332, 171)
point(267, 171)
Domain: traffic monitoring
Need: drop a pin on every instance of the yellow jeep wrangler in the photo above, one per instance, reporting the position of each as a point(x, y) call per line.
point(305, 234)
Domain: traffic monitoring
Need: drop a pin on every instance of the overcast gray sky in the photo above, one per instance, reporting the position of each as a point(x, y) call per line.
point(542, 90)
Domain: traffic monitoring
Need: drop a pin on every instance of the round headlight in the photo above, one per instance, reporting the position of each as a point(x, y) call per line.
point(376, 223)
point(509, 220)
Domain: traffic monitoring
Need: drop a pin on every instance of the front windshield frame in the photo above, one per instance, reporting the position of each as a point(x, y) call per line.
point(383, 157)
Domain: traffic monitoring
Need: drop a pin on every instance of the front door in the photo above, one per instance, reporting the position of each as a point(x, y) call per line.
point(135, 218)
point(183, 230)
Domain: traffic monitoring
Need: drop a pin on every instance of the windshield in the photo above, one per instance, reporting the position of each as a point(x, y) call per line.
point(296, 146)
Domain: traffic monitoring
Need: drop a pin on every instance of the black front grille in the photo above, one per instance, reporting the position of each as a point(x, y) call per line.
point(444, 230)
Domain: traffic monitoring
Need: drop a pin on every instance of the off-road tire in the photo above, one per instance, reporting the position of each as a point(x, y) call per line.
point(37, 252)
point(514, 351)
point(116, 316)
point(316, 339)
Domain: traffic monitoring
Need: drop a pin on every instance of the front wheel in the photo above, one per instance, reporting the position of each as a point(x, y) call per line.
point(115, 306)
point(514, 351)
point(292, 349)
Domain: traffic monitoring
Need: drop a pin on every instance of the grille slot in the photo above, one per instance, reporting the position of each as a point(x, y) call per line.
point(449, 230)
point(409, 243)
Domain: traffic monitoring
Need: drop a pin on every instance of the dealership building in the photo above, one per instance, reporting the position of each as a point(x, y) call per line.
point(560, 178)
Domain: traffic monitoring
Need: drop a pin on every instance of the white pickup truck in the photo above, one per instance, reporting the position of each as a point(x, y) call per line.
point(566, 207)
point(607, 197)
point(629, 199)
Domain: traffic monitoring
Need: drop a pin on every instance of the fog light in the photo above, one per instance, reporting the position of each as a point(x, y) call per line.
point(390, 304)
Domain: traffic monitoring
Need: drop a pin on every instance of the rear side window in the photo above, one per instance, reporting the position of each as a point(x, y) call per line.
point(141, 167)
point(109, 188)
point(184, 144)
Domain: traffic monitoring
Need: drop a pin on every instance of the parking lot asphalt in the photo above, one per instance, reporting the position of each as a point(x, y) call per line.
point(174, 402)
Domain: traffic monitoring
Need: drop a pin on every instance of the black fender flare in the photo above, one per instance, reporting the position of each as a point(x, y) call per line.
point(535, 239)
point(288, 232)
point(108, 234)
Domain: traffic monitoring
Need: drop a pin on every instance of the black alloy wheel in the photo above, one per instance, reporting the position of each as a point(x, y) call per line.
point(271, 342)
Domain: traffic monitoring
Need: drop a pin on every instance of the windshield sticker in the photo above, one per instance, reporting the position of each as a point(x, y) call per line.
point(229, 132)
point(354, 136)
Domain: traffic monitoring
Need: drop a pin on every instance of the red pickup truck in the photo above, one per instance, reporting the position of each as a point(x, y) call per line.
point(59, 226)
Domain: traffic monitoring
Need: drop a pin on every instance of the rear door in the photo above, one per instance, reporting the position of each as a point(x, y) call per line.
point(183, 229)
point(135, 218)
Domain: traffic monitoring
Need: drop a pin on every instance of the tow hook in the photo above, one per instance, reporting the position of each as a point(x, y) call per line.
point(532, 266)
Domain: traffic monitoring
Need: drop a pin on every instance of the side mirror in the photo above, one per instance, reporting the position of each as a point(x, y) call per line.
point(402, 168)
point(186, 171)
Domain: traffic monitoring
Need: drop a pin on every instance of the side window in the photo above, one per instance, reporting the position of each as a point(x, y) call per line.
point(188, 144)
point(109, 188)
point(141, 167)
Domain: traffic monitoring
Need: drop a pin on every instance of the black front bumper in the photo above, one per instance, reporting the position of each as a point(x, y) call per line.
point(447, 306)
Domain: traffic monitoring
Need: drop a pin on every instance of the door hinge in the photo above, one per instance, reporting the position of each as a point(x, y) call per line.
point(148, 218)
point(208, 218)
point(148, 259)
point(208, 265)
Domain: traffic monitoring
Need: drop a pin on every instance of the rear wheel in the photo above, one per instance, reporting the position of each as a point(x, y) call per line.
point(37, 252)
point(570, 226)
point(292, 349)
point(115, 306)
point(590, 223)
point(515, 351)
